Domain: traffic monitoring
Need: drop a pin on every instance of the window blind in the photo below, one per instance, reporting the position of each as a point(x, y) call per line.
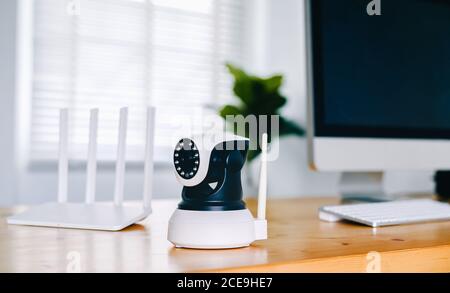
point(114, 53)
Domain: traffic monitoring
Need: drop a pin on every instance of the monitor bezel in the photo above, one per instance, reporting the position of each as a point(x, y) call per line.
point(321, 129)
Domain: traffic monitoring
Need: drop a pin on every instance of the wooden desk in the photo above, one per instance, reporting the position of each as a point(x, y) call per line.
point(298, 242)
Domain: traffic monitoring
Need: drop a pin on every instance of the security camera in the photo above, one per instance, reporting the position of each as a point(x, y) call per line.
point(212, 213)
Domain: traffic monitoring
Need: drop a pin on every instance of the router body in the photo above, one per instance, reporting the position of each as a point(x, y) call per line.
point(94, 215)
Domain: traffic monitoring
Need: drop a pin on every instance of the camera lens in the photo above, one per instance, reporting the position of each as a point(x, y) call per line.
point(186, 158)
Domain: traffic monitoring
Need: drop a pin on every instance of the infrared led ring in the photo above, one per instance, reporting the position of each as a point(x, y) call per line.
point(186, 158)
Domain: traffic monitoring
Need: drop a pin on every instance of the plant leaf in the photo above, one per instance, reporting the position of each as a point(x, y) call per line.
point(273, 83)
point(237, 73)
point(253, 154)
point(275, 102)
point(243, 90)
point(288, 127)
point(230, 110)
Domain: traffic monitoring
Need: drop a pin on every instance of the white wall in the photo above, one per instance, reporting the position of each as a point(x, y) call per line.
point(278, 46)
point(7, 101)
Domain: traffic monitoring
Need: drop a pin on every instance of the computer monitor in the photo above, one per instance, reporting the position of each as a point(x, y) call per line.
point(379, 84)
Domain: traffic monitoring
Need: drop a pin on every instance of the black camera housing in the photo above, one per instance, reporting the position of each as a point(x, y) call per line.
point(224, 171)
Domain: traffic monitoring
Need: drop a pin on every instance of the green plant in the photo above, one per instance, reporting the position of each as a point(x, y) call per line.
point(259, 96)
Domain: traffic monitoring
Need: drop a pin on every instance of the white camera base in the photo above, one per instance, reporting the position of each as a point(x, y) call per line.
point(214, 229)
point(97, 216)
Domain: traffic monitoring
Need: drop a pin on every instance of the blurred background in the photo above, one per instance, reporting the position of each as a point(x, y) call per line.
point(168, 53)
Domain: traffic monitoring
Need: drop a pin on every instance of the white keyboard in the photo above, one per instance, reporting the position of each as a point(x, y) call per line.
point(388, 213)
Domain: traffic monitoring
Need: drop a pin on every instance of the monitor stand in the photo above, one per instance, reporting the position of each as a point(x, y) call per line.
point(362, 187)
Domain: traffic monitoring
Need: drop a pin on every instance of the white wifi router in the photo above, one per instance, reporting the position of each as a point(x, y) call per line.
point(91, 214)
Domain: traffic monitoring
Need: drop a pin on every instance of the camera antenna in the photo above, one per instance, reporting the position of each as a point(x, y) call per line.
point(260, 221)
point(262, 192)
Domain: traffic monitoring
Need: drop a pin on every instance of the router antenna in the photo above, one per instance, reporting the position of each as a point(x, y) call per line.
point(63, 162)
point(120, 163)
point(262, 192)
point(148, 165)
point(91, 169)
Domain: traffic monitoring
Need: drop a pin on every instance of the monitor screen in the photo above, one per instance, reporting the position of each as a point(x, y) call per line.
point(384, 75)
